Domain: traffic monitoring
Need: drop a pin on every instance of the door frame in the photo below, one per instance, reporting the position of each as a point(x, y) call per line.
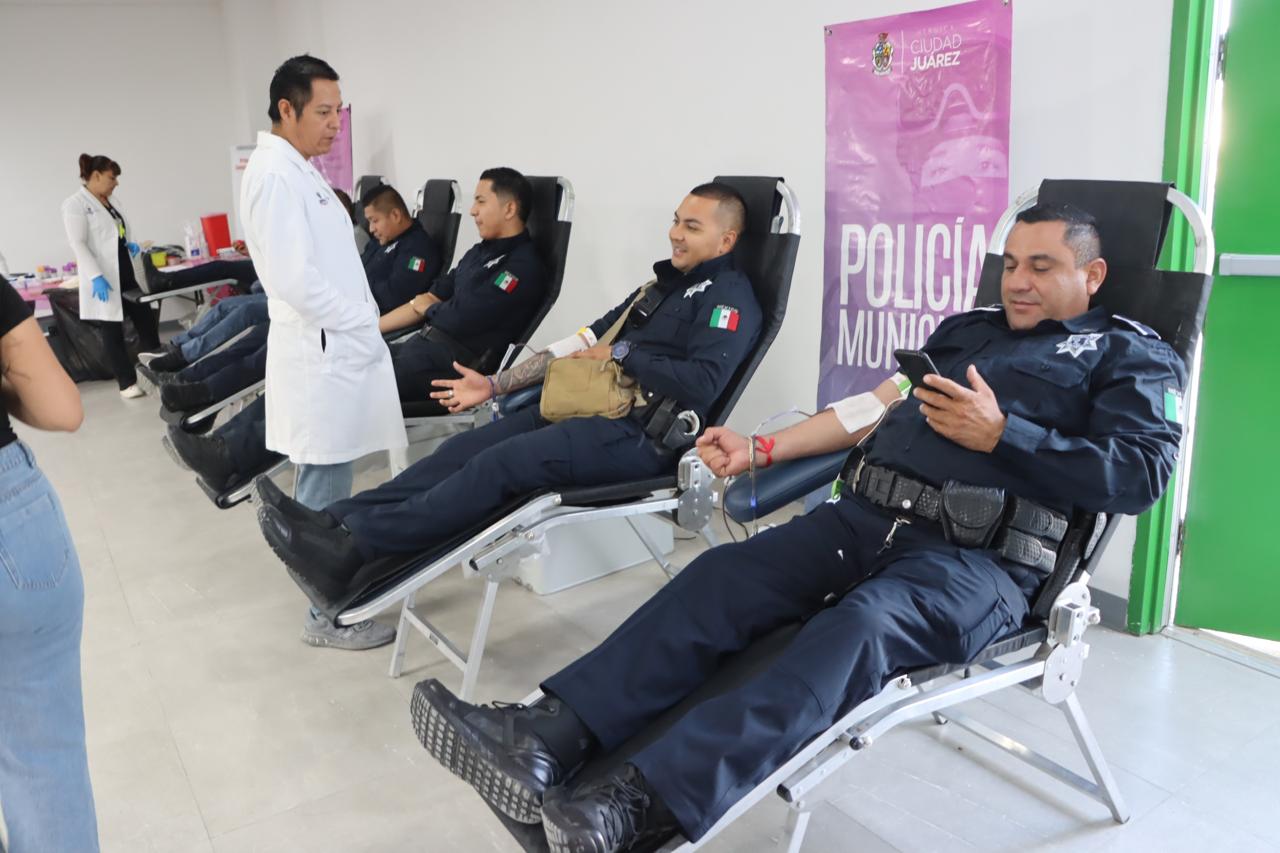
point(1189, 164)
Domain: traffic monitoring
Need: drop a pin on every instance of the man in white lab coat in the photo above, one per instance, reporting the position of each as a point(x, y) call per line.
point(331, 392)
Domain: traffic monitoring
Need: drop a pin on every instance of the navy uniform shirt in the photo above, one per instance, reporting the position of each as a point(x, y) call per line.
point(1092, 407)
point(492, 294)
point(402, 269)
point(697, 337)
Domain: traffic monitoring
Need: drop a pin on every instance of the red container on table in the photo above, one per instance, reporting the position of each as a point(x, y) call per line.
point(217, 232)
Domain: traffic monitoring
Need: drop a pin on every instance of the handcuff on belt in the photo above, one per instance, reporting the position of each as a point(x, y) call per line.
point(670, 429)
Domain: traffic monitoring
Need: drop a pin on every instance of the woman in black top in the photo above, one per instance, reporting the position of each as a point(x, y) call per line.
point(44, 775)
point(99, 237)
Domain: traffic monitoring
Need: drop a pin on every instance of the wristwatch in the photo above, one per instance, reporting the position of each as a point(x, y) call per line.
point(620, 351)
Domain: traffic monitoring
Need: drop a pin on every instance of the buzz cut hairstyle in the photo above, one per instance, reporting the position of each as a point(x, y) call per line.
point(732, 206)
point(1081, 234)
point(508, 184)
point(292, 83)
point(385, 198)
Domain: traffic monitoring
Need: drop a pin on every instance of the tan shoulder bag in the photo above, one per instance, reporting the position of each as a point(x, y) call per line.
point(587, 387)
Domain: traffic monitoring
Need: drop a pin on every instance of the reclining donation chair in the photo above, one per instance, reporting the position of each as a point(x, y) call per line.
point(550, 223)
point(493, 549)
point(439, 212)
point(1132, 218)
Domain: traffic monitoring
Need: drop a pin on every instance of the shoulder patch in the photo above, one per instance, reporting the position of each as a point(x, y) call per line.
point(1136, 326)
point(417, 264)
point(724, 317)
point(506, 282)
point(1173, 404)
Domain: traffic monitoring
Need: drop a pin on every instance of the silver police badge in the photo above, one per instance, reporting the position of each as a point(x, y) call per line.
point(1076, 344)
point(696, 288)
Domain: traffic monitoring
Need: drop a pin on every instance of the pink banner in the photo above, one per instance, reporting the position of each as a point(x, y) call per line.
point(336, 165)
point(917, 175)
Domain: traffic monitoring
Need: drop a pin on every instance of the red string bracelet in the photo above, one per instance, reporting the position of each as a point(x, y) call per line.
point(764, 445)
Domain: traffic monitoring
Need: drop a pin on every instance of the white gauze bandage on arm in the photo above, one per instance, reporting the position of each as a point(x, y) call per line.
point(584, 339)
point(863, 410)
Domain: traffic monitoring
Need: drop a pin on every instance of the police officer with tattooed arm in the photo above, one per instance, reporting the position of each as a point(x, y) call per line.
point(675, 343)
point(949, 520)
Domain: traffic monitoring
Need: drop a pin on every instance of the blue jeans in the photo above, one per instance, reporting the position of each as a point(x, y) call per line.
point(317, 486)
point(45, 793)
point(220, 324)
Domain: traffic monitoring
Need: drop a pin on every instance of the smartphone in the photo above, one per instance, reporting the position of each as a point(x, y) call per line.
point(915, 366)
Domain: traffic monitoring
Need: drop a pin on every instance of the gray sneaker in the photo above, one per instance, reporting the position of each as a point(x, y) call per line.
point(319, 630)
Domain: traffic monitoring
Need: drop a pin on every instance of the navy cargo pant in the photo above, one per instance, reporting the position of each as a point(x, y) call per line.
point(475, 473)
point(245, 436)
point(919, 602)
point(232, 369)
point(417, 361)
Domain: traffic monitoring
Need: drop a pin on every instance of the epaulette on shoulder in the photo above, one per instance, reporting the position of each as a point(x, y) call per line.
point(1138, 327)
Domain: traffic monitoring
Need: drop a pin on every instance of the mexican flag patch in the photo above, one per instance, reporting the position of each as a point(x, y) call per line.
point(417, 264)
point(724, 317)
point(1172, 404)
point(506, 281)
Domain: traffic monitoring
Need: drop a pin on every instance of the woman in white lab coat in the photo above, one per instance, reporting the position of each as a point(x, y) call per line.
point(105, 258)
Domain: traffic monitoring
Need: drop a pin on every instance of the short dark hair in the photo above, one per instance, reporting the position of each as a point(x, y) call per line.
point(346, 203)
point(292, 83)
point(90, 163)
point(385, 198)
point(732, 205)
point(509, 184)
point(1081, 233)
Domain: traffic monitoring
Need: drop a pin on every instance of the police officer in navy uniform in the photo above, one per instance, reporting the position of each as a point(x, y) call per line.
point(484, 303)
point(682, 342)
point(400, 261)
point(1063, 407)
point(405, 259)
point(468, 311)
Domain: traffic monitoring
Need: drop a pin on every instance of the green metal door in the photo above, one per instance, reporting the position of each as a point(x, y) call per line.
point(1230, 577)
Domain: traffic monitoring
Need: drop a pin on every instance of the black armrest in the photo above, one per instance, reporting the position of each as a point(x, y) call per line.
point(521, 399)
point(779, 485)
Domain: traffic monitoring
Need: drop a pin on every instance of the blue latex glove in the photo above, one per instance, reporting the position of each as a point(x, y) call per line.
point(133, 248)
point(101, 290)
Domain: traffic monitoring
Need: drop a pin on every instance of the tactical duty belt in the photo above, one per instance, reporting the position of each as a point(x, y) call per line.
point(970, 516)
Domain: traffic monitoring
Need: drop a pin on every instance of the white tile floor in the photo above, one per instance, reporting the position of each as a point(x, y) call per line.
point(212, 728)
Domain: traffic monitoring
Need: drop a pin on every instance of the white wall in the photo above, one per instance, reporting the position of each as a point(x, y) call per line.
point(143, 83)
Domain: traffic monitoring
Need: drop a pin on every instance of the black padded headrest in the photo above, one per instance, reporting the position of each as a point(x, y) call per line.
point(363, 184)
point(438, 219)
point(551, 239)
point(768, 259)
point(1133, 218)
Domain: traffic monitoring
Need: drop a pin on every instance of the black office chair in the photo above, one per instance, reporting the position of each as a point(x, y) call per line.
point(491, 549)
point(1132, 219)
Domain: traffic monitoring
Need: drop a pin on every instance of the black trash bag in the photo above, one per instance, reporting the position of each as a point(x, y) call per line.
point(78, 343)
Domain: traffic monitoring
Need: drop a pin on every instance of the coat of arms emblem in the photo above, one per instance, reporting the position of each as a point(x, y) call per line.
point(882, 56)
